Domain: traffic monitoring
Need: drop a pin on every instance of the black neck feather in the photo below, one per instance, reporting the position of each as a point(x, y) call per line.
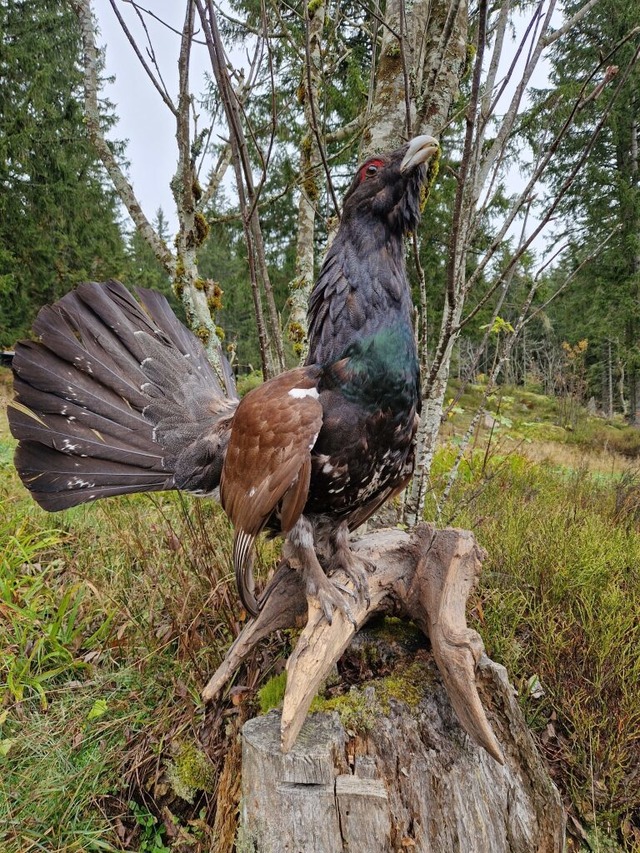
point(361, 290)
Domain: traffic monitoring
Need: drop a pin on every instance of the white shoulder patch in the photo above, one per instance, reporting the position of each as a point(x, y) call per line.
point(304, 392)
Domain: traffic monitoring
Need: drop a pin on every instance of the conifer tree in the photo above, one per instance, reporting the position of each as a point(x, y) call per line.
point(58, 221)
point(603, 305)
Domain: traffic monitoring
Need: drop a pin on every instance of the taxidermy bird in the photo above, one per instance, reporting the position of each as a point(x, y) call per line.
point(117, 396)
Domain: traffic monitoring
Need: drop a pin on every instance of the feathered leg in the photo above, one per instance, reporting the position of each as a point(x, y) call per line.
point(343, 559)
point(299, 551)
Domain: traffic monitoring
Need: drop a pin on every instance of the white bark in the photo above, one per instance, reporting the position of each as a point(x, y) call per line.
point(310, 160)
point(422, 56)
point(83, 11)
point(181, 266)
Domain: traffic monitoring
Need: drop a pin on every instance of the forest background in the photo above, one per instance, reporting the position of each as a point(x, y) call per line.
point(514, 328)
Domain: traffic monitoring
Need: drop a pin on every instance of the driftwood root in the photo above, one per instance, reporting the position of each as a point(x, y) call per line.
point(426, 576)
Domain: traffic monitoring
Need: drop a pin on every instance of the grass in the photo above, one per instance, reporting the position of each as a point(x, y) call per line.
point(558, 604)
point(114, 615)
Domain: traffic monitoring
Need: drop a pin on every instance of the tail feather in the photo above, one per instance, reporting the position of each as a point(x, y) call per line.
point(59, 333)
point(160, 312)
point(59, 433)
point(68, 335)
point(115, 398)
point(109, 324)
point(49, 403)
point(58, 481)
point(44, 371)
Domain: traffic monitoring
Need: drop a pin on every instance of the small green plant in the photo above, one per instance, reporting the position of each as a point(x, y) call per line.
point(357, 709)
point(45, 625)
point(191, 771)
point(271, 694)
point(151, 835)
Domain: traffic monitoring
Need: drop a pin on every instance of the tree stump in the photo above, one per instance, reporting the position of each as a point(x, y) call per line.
point(415, 782)
point(456, 771)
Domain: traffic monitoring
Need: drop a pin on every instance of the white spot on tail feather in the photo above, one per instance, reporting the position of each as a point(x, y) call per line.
point(78, 483)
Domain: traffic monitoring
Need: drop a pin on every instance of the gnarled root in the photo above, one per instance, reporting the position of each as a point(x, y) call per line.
point(426, 576)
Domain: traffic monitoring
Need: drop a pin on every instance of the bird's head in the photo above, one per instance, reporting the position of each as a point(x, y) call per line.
point(388, 186)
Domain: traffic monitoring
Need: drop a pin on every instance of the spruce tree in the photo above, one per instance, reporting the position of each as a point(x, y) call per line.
point(58, 221)
point(604, 303)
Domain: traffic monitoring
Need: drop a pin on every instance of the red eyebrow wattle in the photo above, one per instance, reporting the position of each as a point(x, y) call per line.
point(376, 161)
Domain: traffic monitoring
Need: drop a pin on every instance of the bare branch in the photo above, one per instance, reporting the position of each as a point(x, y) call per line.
point(572, 275)
point(246, 192)
point(140, 10)
point(312, 74)
point(462, 207)
point(158, 84)
point(535, 177)
point(554, 35)
point(82, 9)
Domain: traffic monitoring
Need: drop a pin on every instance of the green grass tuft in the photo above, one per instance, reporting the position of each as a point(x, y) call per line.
point(558, 604)
point(271, 694)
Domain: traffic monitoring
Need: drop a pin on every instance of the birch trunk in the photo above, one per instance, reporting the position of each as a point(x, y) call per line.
point(193, 228)
point(422, 57)
point(82, 9)
point(181, 267)
point(300, 287)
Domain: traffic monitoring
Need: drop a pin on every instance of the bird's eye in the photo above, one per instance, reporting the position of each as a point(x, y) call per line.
point(370, 169)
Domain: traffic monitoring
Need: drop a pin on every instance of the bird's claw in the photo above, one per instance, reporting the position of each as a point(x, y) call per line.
point(356, 569)
point(330, 597)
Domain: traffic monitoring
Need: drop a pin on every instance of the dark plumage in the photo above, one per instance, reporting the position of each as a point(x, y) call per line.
point(118, 398)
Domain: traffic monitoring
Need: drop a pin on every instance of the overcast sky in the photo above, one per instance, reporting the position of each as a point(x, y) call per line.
point(144, 120)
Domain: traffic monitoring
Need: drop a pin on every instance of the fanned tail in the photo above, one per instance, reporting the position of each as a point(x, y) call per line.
point(116, 397)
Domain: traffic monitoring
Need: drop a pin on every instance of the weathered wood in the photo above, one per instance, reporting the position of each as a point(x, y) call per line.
point(433, 790)
point(411, 779)
point(288, 800)
point(426, 576)
point(363, 809)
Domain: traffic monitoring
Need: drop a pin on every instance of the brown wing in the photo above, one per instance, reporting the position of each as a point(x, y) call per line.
point(268, 462)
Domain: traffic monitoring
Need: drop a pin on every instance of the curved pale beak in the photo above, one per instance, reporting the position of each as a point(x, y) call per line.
point(420, 150)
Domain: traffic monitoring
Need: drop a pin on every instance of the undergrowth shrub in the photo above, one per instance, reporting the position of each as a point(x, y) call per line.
point(558, 605)
point(602, 436)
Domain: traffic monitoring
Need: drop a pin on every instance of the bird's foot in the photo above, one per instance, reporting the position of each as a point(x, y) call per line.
point(329, 594)
point(342, 559)
point(356, 569)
